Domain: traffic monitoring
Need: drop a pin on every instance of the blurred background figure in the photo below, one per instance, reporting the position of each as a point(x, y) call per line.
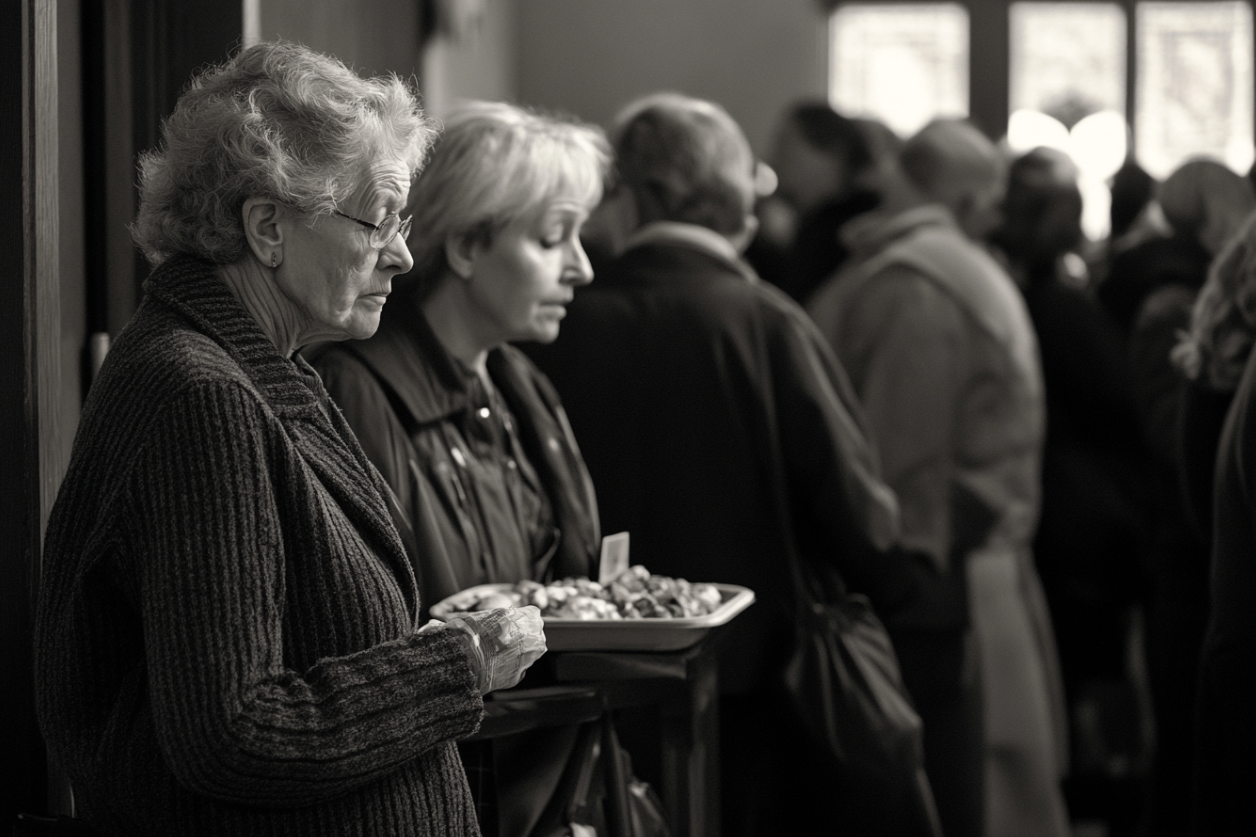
point(1149, 292)
point(1134, 216)
point(1217, 357)
point(1089, 540)
point(486, 476)
point(825, 166)
point(722, 435)
point(942, 353)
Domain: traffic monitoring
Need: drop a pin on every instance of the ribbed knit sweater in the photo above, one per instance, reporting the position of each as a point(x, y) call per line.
point(226, 640)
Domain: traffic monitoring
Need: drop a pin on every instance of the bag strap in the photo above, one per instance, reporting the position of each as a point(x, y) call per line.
point(810, 589)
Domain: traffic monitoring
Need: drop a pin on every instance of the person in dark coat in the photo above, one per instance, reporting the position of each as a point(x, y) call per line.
point(824, 164)
point(723, 436)
point(471, 438)
point(1089, 540)
point(1150, 293)
point(1218, 354)
point(228, 637)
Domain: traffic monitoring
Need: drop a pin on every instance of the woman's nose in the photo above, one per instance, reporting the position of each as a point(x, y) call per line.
point(396, 256)
point(578, 270)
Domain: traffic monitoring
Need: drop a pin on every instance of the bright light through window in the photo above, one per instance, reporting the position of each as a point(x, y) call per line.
point(1068, 92)
point(1067, 59)
point(902, 63)
point(1194, 84)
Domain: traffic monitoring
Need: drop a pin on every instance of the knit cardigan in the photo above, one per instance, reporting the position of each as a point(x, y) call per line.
point(226, 640)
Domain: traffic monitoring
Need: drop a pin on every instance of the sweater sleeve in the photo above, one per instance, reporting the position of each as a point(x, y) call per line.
point(208, 543)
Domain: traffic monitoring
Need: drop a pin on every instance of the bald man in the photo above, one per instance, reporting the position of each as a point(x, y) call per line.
point(942, 354)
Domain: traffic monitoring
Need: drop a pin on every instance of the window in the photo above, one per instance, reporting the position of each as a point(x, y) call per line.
point(903, 64)
point(1195, 84)
point(1069, 81)
point(1067, 90)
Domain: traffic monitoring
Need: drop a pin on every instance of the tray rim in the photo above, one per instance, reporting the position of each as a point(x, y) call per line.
point(736, 600)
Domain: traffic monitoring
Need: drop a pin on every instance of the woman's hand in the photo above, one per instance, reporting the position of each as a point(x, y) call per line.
point(502, 643)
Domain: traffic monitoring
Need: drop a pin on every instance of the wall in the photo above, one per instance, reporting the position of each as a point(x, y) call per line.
point(480, 65)
point(371, 36)
point(72, 266)
point(754, 57)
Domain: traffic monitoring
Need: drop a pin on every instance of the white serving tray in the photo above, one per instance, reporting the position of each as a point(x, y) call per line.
point(649, 634)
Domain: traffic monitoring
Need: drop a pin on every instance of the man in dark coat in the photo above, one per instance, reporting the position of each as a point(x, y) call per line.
point(721, 433)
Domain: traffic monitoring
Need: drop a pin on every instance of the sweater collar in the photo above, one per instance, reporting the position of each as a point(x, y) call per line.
point(193, 288)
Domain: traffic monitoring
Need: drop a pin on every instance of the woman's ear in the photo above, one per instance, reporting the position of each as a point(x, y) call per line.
point(460, 253)
point(262, 230)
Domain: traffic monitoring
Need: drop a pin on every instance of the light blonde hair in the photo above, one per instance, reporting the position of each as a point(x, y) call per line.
point(277, 121)
point(496, 164)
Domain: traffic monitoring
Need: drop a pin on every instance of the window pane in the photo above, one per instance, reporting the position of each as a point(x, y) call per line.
point(1067, 59)
point(1194, 84)
point(904, 64)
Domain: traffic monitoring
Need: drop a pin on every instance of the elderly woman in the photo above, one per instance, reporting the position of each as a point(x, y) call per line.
point(468, 433)
point(228, 637)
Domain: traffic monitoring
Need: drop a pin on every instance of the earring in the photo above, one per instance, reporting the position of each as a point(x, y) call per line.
point(274, 259)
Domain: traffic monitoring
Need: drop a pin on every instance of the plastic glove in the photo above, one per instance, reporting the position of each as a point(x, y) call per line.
point(501, 643)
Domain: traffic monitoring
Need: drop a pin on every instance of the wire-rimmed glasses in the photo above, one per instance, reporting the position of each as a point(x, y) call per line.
point(385, 231)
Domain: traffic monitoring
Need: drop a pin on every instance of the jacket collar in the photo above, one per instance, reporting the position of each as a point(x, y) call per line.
point(193, 288)
point(429, 381)
point(693, 237)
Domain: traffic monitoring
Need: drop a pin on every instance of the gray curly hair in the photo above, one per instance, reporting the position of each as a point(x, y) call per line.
point(279, 121)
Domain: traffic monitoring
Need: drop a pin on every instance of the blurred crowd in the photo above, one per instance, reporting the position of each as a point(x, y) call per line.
point(1140, 341)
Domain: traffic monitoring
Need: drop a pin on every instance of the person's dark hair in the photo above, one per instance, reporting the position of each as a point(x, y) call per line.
point(1133, 188)
point(1205, 200)
point(824, 129)
point(278, 121)
point(685, 160)
point(1042, 212)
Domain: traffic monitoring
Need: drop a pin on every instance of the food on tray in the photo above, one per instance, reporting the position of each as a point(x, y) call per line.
point(634, 594)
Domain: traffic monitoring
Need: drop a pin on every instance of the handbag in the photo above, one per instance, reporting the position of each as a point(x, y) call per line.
point(843, 681)
point(599, 796)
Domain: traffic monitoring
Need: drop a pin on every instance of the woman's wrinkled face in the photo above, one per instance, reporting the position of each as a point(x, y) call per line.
point(336, 281)
point(522, 280)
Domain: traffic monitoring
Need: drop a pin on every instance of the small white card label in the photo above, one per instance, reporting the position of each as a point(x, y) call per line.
point(614, 558)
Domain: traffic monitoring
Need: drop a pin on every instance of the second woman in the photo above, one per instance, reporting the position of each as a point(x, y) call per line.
point(471, 437)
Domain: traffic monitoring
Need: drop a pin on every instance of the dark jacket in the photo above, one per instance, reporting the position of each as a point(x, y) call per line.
point(426, 423)
point(226, 636)
point(1226, 731)
point(722, 436)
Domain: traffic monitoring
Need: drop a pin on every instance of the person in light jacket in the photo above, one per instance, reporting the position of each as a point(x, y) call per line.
point(942, 352)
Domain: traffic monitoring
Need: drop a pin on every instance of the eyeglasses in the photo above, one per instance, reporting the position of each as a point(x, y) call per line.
point(385, 231)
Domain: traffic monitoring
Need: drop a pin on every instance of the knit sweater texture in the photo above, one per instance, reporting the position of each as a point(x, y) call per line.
point(226, 640)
